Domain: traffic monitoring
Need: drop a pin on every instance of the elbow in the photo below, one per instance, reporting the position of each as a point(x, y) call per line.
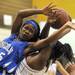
point(19, 14)
point(68, 30)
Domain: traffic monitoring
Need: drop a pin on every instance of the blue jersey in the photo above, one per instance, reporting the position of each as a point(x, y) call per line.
point(11, 53)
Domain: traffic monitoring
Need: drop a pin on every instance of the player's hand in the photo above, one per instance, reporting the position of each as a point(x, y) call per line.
point(71, 25)
point(48, 9)
point(53, 16)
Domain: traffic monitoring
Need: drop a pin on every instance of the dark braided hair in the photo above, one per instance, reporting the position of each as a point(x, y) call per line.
point(68, 51)
point(62, 53)
point(67, 56)
point(57, 51)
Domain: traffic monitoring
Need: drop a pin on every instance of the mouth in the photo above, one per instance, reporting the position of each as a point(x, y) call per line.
point(26, 32)
point(27, 35)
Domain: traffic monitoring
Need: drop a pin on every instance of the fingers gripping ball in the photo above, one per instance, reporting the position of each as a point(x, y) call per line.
point(61, 19)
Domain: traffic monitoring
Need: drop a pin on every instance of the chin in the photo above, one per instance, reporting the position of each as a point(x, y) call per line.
point(25, 39)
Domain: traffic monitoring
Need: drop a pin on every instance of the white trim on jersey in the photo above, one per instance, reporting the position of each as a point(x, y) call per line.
point(11, 70)
point(24, 69)
point(6, 64)
point(53, 68)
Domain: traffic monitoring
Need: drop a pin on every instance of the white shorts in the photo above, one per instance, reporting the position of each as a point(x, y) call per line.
point(24, 69)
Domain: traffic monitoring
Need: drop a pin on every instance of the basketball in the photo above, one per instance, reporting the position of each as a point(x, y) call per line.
point(61, 19)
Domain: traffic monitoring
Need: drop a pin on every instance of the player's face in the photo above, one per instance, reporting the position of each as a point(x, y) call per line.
point(27, 32)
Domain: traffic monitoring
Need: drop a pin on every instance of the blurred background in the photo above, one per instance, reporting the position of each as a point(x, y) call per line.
point(9, 9)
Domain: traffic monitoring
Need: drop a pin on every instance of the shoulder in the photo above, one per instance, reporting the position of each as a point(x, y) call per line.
point(10, 38)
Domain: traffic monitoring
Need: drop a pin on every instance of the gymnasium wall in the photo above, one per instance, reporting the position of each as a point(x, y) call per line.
point(68, 5)
point(11, 7)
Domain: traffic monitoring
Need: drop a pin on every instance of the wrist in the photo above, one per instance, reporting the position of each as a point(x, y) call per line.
point(40, 11)
point(51, 21)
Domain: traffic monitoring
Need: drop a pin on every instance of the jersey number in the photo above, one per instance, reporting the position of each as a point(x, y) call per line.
point(1, 55)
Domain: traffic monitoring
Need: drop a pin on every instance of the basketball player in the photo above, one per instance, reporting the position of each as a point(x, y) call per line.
point(12, 48)
point(68, 60)
point(23, 64)
point(57, 66)
point(35, 62)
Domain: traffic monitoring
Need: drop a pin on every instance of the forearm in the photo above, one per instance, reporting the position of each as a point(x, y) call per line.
point(54, 37)
point(46, 28)
point(58, 34)
point(29, 12)
point(45, 31)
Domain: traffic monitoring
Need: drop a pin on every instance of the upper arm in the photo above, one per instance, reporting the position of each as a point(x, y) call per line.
point(16, 24)
point(36, 46)
point(40, 44)
point(45, 31)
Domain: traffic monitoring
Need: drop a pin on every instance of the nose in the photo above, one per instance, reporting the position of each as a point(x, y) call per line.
point(27, 32)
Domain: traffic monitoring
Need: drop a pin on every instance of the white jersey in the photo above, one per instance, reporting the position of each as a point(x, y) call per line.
point(52, 68)
point(24, 69)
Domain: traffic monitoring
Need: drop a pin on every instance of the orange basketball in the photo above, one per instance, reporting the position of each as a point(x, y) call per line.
point(61, 19)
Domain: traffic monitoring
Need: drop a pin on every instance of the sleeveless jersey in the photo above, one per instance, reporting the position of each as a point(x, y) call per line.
point(11, 53)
